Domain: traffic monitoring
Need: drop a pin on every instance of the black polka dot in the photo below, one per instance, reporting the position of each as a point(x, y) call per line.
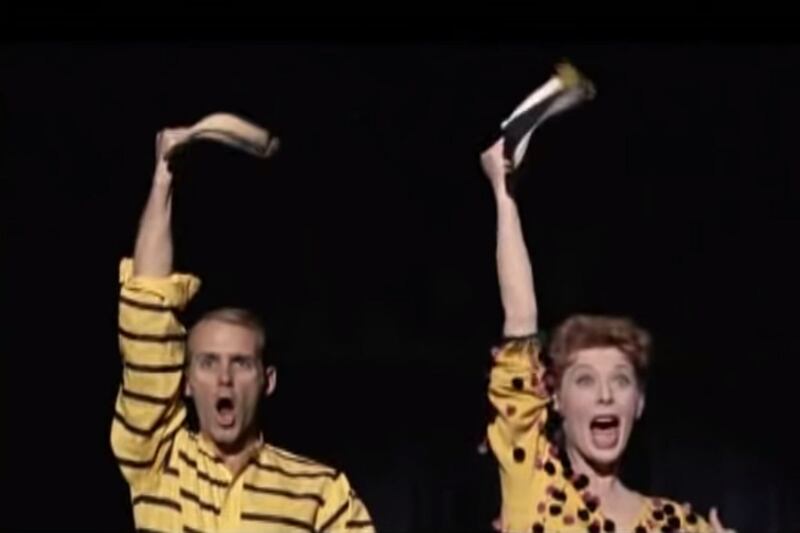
point(692, 518)
point(538, 528)
point(555, 510)
point(583, 514)
point(517, 383)
point(581, 482)
point(560, 495)
point(640, 529)
point(669, 509)
point(666, 529)
point(519, 455)
point(594, 528)
point(550, 468)
point(658, 515)
point(609, 526)
point(592, 505)
point(674, 522)
point(567, 472)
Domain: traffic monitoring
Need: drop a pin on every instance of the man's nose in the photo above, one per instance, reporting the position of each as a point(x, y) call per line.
point(225, 375)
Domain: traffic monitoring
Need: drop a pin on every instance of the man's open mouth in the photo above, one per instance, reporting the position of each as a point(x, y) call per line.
point(226, 415)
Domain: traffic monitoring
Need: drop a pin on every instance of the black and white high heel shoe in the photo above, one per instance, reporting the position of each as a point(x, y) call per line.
point(566, 89)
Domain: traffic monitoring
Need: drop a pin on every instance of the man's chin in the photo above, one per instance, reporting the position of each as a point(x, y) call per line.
point(226, 437)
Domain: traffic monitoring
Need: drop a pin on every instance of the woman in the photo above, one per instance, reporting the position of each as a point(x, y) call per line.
point(560, 431)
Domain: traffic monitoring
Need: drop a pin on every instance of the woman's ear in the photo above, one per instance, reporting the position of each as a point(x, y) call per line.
point(640, 406)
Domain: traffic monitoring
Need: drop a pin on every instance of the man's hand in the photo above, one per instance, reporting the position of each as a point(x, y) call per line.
point(495, 166)
point(165, 141)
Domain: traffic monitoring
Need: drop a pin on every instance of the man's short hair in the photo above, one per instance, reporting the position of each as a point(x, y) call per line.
point(240, 317)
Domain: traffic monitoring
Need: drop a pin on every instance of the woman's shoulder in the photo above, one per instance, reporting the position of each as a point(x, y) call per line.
point(677, 516)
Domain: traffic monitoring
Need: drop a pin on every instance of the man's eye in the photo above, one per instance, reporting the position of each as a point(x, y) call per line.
point(246, 363)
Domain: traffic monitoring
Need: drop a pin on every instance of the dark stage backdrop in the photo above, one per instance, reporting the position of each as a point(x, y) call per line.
point(368, 244)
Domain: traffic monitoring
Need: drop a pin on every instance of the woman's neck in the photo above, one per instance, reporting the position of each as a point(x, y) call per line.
point(617, 502)
point(603, 480)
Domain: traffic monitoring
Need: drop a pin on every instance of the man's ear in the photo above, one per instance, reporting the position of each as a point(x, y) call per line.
point(271, 380)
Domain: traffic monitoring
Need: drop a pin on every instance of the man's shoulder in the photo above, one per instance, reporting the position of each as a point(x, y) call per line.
point(293, 465)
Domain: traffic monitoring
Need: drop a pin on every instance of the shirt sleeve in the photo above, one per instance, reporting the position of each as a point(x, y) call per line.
point(149, 410)
point(342, 509)
point(516, 435)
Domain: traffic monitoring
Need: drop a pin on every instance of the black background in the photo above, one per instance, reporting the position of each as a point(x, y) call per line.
point(368, 244)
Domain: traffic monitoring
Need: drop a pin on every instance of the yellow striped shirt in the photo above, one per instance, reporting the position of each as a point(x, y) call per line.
point(177, 481)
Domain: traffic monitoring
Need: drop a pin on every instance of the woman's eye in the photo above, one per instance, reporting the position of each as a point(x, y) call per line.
point(623, 379)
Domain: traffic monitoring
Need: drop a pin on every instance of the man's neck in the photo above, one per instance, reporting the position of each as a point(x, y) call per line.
point(238, 455)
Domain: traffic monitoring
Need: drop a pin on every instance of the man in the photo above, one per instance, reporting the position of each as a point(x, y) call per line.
point(224, 478)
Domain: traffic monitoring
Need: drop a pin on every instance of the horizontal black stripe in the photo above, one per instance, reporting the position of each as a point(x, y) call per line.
point(208, 455)
point(195, 498)
point(146, 398)
point(258, 517)
point(285, 493)
point(144, 432)
point(204, 453)
point(187, 529)
point(336, 516)
point(294, 458)
point(358, 523)
point(149, 306)
point(172, 471)
point(200, 474)
point(211, 480)
point(186, 459)
point(146, 530)
point(154, 500)
point(131, 463)
point(271, 468)
point(145, 337)
point(154, 369)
